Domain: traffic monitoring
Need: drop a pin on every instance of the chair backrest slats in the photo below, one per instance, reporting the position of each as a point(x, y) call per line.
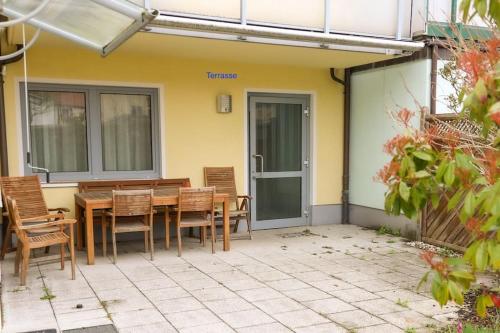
point(223, 179)
point(138, 184)
point(14, 217)
point(132, 202)
point(27, 193)
point(196, 199)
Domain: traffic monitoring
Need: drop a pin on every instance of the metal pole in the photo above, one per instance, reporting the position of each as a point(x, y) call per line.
point(243, 12)
point(453, 11)
point(328, 16)
point(399, 28)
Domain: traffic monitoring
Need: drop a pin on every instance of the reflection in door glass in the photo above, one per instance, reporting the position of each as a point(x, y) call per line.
point(279, 136)
point(278, 198)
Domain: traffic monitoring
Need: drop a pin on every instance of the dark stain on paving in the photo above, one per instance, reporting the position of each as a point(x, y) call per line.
point(95, 329)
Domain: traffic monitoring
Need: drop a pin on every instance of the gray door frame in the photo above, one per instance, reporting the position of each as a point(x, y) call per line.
point(254, 164)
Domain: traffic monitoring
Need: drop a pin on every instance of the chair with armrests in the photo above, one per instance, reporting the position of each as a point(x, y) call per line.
point(224, 181)
point(28, 194)
point(196, 209)
point(51, 232)
point(132, 212)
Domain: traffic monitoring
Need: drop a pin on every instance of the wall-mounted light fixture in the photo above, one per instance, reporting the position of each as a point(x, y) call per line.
point(224, 103)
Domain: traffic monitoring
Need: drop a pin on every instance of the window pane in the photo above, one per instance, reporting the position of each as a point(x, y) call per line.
point(58, 130)
point(279, 136)
point(126, 132)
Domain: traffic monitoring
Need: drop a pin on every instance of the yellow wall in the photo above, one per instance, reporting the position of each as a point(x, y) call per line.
point(196, 135)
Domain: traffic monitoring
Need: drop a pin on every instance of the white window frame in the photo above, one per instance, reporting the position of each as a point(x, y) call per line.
point(94, 143)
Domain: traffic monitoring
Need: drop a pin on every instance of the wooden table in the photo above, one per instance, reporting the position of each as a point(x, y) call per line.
point(88, 201)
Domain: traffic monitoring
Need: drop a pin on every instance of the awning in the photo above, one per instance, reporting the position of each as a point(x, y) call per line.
point(100, 24)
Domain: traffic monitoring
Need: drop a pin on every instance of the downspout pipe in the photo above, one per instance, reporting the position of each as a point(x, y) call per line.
point(237, 29)
point(346, 82)
point(4, 158)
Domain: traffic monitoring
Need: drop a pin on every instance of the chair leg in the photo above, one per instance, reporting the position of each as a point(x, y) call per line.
point(7, 240)
point(236, 225)
point(25, 265)
point(249, 226)
point(61, 247)
point(179, 241)
point(146, 242)
point(151, 243)
point(113, 236)
point(201, 235)
point(18, 258)
point(213, 231)
point(167, 228)
point(104, 237)
point(72, 251)
point(204, 234)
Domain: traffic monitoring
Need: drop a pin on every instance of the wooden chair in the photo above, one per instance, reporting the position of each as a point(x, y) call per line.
point(224, 181)
point(128, 208)
point(31, 204)
point(196, 209)
point(175, 183)
point(28, 241)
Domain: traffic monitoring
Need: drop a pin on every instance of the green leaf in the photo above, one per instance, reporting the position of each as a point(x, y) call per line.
point(453, 202)
point(404, 191)
point(480, 181)
point(439, 290)
point(435, 198)
point(470, 252)
point(422, 174)
point(482, 303)
point(455, 292)
point(481, 7)
point(494, 251)
point(449, 176)
point(422, 155)
point(465, 7)
point(469, 203)
point(481, 258)
point(462, 275)
point(441, 170)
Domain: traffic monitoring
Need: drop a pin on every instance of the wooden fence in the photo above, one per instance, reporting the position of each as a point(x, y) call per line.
point(439, 226)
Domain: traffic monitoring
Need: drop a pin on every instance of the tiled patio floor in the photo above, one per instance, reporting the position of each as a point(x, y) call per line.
point(338, 279)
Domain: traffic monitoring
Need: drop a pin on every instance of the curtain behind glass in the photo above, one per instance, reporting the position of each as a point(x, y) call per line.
point(58, 130)
point(126, 132)
point(279, 136)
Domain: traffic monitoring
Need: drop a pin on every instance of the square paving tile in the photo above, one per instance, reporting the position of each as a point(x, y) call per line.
point(307, 294)
point(259, 294)
point(329, 305)
point(192, 318)
point(246, 318)
point(300, 318)
point(228, 305)
point(136, 318)
point(355, 319)
point(265, 328)
point(278, 305)
point(323, 328)
point(179, 305)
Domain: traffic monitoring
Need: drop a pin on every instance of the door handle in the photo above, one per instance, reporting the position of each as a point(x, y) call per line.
point(258, 156)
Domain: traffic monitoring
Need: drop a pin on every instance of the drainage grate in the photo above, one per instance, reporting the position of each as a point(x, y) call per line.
point(94, 329)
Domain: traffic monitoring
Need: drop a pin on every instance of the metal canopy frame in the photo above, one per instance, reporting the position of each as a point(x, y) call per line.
point(140, 17)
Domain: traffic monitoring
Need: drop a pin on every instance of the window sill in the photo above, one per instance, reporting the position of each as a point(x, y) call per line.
point(59, 185)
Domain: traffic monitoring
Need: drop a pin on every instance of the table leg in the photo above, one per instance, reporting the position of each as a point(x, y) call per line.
point(226, 224)
point(89, 228)
point(79, 229)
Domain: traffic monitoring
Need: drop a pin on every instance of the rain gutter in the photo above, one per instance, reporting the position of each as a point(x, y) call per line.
point(321, 38)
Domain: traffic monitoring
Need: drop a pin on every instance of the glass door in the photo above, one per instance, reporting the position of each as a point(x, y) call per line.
point(279, 160)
